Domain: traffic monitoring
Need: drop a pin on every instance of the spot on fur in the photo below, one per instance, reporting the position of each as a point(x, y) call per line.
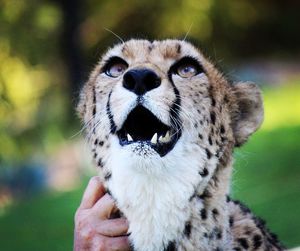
point(171, 246)
point(209, 140)
point(213, 117)
point(208, 153)
point(100, 163)
point(203, 214)
point(231, 221)
point(204, 172)
point(187, 229)
point(222, 129)
point(107, 176)
point(215, 213)
point(257, 241)
point(243, 242)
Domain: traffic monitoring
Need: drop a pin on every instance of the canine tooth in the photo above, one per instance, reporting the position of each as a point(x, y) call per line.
point(129, 138)
point(165, 139)
point(167, 136)
point(154, 139)
point(162, 139)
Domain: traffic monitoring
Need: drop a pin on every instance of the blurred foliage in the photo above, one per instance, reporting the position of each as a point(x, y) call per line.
point(48, 47)
point(32, 103)
point(282, 106)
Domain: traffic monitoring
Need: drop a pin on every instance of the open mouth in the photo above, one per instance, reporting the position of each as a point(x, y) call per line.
point(142, 126)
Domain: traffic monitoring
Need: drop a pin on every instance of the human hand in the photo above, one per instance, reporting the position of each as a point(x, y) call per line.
point(94, 231)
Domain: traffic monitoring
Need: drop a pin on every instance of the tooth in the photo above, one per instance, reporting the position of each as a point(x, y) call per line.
point(167, 136)
point(161, 139)
point(154, 139)
point(129, 138)
point(165, 139)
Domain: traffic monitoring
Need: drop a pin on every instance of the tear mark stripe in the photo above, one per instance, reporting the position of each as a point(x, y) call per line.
point(113, 126)
point(94, 101)
point(175, 108)
point(94, 109)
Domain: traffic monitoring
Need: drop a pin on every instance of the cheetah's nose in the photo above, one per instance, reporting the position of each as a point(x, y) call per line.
point(141, 81)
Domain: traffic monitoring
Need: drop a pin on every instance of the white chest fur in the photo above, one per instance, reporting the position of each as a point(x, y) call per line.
point(154, 193)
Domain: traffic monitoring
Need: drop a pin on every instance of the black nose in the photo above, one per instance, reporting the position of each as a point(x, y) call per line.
point(141, 81)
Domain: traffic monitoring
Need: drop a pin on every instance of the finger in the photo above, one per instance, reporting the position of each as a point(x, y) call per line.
point(117, 243)
point(113, 227)
point(104, 207)
point(92, 193)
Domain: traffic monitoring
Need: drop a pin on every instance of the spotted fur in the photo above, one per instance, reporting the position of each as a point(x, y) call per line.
point(179, 201)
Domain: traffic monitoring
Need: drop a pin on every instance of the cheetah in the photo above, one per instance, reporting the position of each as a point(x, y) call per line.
point(162, 123)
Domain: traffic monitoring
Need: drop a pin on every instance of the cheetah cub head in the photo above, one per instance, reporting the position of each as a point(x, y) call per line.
point(161, 119)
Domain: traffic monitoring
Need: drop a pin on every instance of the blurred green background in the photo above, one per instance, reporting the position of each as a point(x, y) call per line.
point(47, 49)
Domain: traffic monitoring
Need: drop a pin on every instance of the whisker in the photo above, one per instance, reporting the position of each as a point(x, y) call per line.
point(116, 35)
point(188, 32)
point(184, 111)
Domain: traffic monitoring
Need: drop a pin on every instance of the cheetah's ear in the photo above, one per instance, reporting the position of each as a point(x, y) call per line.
point(249, 112)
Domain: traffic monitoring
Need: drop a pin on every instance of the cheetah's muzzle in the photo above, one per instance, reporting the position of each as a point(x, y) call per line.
point(143, 127)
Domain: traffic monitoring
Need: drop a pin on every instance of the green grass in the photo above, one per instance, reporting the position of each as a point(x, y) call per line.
point(40, 224)
point(267, 179)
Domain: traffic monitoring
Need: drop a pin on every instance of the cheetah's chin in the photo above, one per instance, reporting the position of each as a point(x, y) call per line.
point(144, 128)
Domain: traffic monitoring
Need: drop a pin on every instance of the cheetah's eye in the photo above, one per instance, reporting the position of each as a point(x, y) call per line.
point(114, 67)
point(187, 71)
point(116, 70)
point(186, 67)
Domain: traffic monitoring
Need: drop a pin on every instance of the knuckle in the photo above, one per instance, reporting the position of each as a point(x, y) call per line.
point(87, 233)
point(79, 225)
point(81, 221)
